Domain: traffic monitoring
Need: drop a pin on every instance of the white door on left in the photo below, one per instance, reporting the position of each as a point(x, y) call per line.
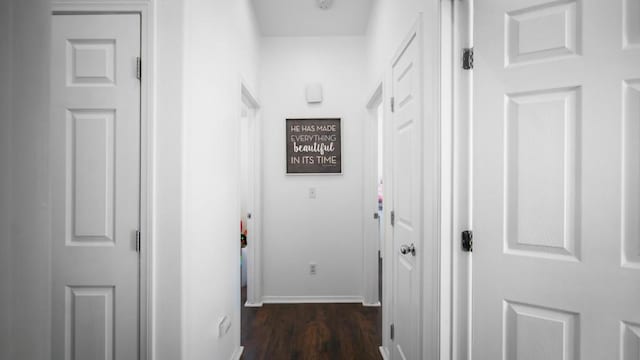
point(95, 167)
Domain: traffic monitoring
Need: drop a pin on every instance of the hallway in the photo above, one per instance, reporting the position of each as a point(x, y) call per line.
point(311, 331)
point(157, 156)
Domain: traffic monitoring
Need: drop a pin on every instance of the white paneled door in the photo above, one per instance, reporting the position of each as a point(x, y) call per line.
point(406, 216)
point(95, 167)
point(556, 164)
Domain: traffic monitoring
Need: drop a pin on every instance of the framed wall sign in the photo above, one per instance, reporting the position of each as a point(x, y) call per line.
point(314, 146)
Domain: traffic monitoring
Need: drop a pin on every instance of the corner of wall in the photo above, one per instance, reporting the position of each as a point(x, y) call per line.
point(6, 45)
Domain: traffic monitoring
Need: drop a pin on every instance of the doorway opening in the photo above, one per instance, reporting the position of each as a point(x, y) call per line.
point(374, 197)
point(249, 194)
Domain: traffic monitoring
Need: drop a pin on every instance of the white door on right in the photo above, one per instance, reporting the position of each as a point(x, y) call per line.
point(556, 164)
point(406, 124)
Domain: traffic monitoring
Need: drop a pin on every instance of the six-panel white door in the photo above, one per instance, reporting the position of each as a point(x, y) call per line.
point(556, 179)
point(406, 190)
point(95, 167)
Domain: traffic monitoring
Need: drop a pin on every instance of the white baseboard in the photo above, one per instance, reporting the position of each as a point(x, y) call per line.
point(310, 299)
point(252, 305)
point(384, 353)
point(237, 354)
point(376, 304)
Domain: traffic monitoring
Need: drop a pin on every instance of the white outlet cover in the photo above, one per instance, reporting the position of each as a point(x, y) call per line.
point(312, 193)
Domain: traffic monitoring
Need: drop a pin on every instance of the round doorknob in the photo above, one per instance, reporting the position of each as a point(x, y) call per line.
point(406, 249)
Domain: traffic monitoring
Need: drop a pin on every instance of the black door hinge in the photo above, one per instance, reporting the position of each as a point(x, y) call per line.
point(138, 241)
point(391, 331)
point(393, 104)
point(139, 68)
point(393, 218)
point(467, 240)
point(467, 58)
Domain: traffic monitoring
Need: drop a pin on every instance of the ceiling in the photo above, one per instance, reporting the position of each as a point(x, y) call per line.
point(305, 18)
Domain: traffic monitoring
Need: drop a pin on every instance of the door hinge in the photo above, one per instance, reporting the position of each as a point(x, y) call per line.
point(467, 241)
point(138, 243)
point(376, 216)
point(393, 104)
point(139, 68)
point(392, 331)
point(393, 218)
point(467, 58)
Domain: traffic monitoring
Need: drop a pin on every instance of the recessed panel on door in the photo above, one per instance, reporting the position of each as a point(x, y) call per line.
point(542, 32)
point(631, 174)
point(630, 341)
point(630, 24)
point(541, 160)
point(91, 62)
point(91, 156)
point(90, 323)
point(533, 332)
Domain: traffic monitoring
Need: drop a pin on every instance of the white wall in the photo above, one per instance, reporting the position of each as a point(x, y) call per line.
point(167, 184)
point(221, 43)
point(30, 218)
point(5, 178)
point(390, 22)
point(326, 230)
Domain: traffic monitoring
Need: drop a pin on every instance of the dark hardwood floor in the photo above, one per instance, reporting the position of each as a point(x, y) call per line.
point(311, 331)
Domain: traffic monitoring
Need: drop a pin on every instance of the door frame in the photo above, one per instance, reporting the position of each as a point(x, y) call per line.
point(455, 188)
point(461, 159)
point(370, 176)
point(254, 251)
point(146, 10)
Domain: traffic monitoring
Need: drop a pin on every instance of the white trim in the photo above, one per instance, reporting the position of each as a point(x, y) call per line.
point(253, 305)
point(248, 95)
point(254, 249)
point(311, 299)
point(146, 9)
point(376, 97)
point(237, 354)
point(461, 184)
point(384, 352)
point(377, 304)
point(447, 237)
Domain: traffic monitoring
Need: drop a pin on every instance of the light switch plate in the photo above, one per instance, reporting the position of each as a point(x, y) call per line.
point(314, 93)
point(312, 193)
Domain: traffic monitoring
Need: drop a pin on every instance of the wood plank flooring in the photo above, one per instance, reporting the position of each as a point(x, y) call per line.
point(311, 332)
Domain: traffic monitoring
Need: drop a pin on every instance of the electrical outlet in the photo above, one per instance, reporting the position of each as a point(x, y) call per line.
point(312, 193)
point(312, 268)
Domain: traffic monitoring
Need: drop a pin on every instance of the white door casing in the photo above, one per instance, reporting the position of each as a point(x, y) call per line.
point(250, 146)
point(95, 167)
point(556, 259)
point(406, 188)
